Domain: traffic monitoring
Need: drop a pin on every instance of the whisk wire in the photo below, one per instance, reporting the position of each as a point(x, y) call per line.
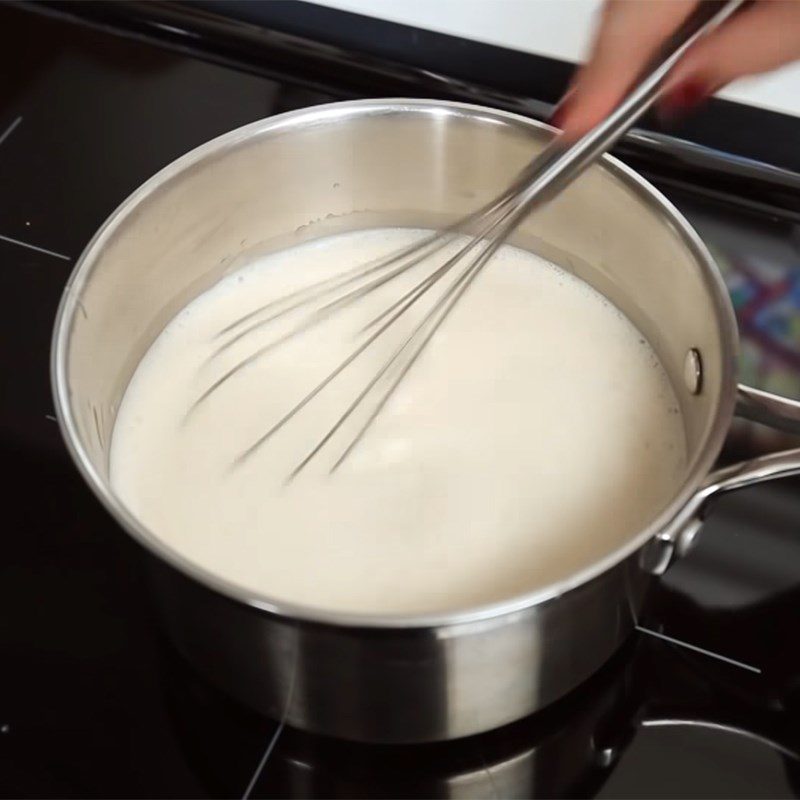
point(438, 240)
point(396, 310)
point(448, 302)
point(421, 289)
point(325, 287)
point(317, 316)
point(330, 377)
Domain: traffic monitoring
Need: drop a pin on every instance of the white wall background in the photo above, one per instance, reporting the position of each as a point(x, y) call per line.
point(555, 28)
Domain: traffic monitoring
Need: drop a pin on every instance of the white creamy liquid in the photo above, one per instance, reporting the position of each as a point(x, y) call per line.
point(536, 433)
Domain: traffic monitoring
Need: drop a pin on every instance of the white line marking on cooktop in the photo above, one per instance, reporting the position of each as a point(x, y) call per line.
point(270, 747)
point(51, 417)
point(719, 726)
point(275, 736)
point(9, 130)
point(35, 247)
point(172, 29)
point(699, 649)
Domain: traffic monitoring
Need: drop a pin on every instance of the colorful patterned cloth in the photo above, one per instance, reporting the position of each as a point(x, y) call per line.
point(766, 299)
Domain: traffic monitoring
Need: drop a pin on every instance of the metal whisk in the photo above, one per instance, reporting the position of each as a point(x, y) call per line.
point(487, 228)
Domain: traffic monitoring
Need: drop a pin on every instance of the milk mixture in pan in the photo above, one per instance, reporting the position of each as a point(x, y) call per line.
point(536, 433)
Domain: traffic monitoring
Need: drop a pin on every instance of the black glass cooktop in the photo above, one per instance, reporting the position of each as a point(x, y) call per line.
point(702, 702)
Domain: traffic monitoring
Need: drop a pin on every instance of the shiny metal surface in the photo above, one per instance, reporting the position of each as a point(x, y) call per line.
point(354, 165)
point(400, 684)
point(768, 409)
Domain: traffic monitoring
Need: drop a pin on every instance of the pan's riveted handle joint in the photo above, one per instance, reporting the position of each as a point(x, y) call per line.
point(664, 549)
point(677, 536)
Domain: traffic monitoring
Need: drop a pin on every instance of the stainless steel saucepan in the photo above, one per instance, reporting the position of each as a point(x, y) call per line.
point(362, 164)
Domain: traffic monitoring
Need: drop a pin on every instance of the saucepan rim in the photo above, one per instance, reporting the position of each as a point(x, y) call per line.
point(320, 115)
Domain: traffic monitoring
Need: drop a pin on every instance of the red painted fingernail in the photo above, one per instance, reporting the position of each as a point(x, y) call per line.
point(560, 111)
point(682, 99)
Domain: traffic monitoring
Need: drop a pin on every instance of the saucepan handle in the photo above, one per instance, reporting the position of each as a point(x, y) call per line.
point(761, 727)
point(753, 404)
point(768, 409)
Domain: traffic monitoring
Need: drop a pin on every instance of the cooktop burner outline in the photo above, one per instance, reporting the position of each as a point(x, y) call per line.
point(3, 136)
point(10, 129)
point(38, 249)
point(703, 651)
point(273, 740)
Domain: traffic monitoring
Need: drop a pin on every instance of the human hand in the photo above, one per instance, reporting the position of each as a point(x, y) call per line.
point(763, 36)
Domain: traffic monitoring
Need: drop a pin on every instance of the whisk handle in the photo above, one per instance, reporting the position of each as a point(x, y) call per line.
point(561, 161)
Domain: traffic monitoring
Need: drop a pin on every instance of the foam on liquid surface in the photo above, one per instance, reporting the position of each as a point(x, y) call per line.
point(536, 433)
